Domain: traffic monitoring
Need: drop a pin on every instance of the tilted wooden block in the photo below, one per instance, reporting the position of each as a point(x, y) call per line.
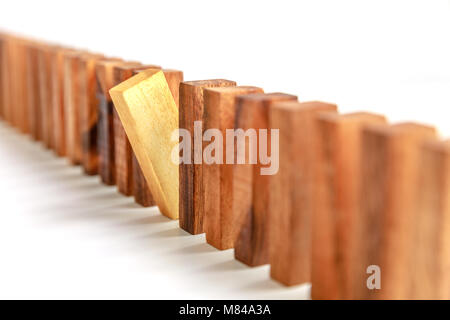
point(337, 206)
point(105, 124)
point(431, 253)
point(88, 112)
point(150, 117)
point(141, 191)
point(250, 194)
point(220, 218)
point(389, 188)
point(294, 188)
point(34, 100)
point(191, 110)
point(122, 147)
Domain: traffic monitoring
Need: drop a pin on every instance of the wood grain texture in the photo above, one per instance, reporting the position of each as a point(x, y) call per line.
point(122, 147)
point(190, 175)
point(88, 112)
point(2, 84)
point(150, 117)
point(72, 105)
point(34, 100)
point(250, 239)
point(45, 94)
point(389, 186)
point(220, 218)
point(294, 188)
point(105, 125)
point(141, 191)
point(57, 99)
point(337, 208)
point(431, 254)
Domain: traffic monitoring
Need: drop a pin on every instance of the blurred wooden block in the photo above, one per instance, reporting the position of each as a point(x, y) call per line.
point(2, 84)
point(88, 112)
point(6, 79)
point(293, 190)
point(191, 109)
point(58, 80)
point(34, 99)
point(141, 191)
point(149, 115)
point(220, 221)
point(337, 207)
point(105, 125)
point(389, 189)
point(431, 279)
point(45, 94)
point(72, 105)
point(251, 194)
point(122, 147)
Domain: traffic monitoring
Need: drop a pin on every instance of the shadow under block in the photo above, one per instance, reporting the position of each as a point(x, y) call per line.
point(389, 188)
point(432, 235)
point(251, 188)
point(294, 189)
point(88, 112)
point(122, 147)
point(141, 191)
point(337, 207)
point(149, 115)
point(190, 175)
point(218, 178)
point(105, 125)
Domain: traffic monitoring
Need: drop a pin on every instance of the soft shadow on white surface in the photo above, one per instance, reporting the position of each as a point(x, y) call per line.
point(65, 235)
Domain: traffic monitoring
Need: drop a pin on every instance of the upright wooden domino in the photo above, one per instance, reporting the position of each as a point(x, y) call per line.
point(149, 115)
point(190, 174)
point(389, 189)
point(431, 254)
point(88, 112)
point(2, 50)
point(337, 207)
point(122, 147)
point(220, 221)
point(33, 96)
point(105, 125)
point(294, 188)
point(251, 194)
point(141, 190)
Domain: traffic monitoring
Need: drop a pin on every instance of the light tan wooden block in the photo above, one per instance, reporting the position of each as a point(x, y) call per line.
point(149, 115)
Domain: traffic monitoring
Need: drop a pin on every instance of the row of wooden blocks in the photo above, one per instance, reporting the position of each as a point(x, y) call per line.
point(352, 191)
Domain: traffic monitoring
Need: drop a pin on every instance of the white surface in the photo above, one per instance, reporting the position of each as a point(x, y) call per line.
point(64, 235)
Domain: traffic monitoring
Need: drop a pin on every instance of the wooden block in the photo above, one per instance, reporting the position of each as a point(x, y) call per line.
point(150, 117)
point(2, 49)
point(34, 99)
point(45, 94)
point(250, 194)
point(105, 124)
point(122, 147)
point(141, 190)
point(72, 102)
point(191, 109)
point(337, 207)
point(88, 112)
point(58, 132)
point(220, 221)
point(6, 72)
point(294, 188)
point(389, 186)
point(431, 253)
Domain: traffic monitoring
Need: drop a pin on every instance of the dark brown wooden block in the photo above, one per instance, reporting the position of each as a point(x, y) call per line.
point(431, 253)
point(251, 193)
point(337, 207)
point(88, 112)
point(389, 188)
point(105, 125)
point(190, 175)
point(294, 188)
point(220, 220)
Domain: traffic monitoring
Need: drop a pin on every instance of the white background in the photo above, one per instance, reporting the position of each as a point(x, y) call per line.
point(63, 235)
